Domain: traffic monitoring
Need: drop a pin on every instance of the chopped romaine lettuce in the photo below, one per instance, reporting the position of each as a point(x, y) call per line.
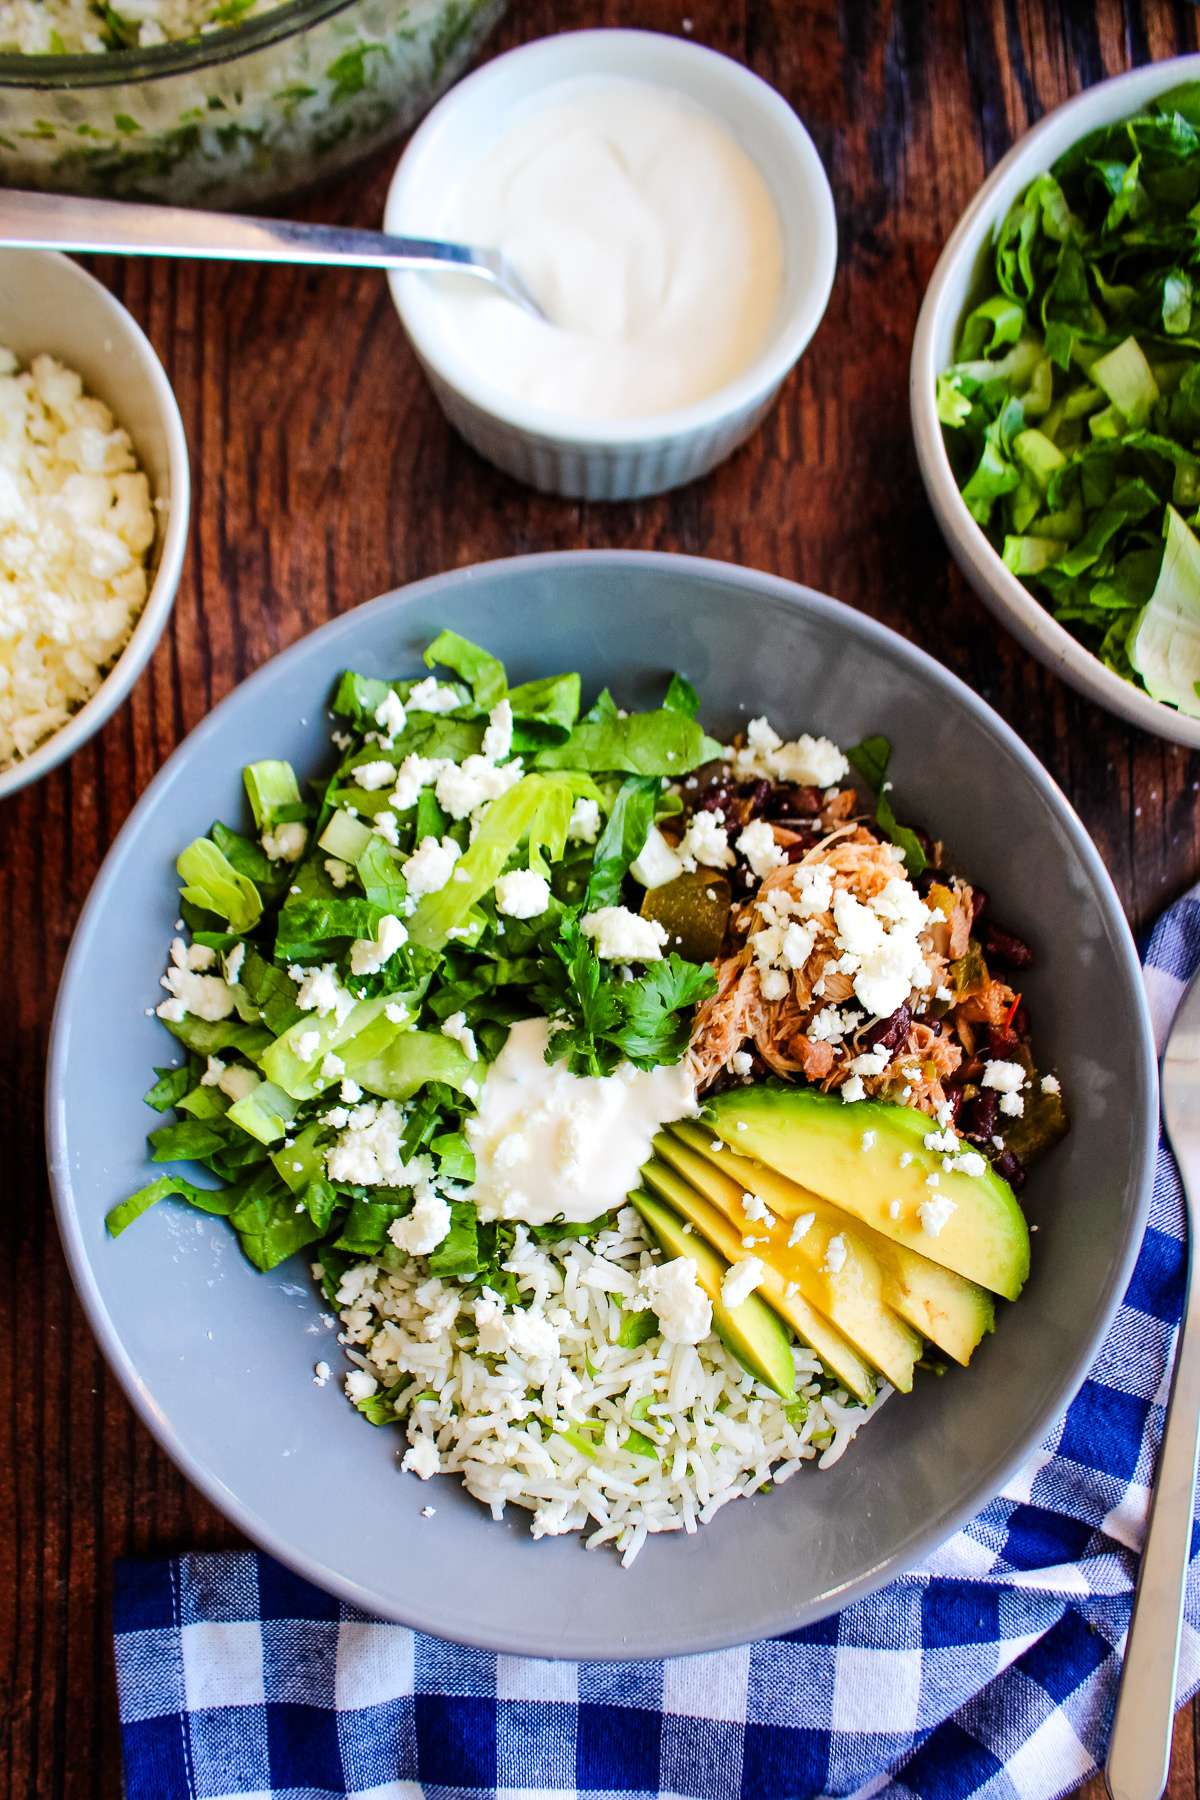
point(1164, 645)
point(1072, 413)
point(325, 1039)
point(624, 834)
point(666, 742)
point(483, 673)
point(211, 882)
point(273, 794)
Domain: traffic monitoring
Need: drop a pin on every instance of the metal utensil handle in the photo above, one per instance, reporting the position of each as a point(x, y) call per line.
point(1139, 1752)
point(66, 222)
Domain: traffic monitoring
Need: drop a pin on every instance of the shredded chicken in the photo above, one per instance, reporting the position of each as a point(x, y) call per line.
point(779, 1030)
point(990, 1005)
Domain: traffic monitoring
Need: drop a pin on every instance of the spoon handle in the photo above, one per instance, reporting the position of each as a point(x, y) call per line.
point(1139, 1751)
point(66, 222)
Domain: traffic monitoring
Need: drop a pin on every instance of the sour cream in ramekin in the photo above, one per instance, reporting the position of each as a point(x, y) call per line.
point(674, 212)
point(646, 233)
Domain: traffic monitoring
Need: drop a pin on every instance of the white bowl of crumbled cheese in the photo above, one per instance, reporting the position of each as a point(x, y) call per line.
point(94, 492)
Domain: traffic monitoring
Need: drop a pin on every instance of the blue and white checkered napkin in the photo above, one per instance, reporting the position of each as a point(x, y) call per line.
point(991, 1672)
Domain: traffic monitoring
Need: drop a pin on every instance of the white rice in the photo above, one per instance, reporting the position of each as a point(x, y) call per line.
point(498, 1421)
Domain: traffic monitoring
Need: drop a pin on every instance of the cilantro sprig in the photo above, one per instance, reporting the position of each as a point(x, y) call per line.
point(602, 1020)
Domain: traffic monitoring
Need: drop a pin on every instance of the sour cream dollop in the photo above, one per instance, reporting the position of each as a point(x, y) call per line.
point(648, 235)
point(552, 1145)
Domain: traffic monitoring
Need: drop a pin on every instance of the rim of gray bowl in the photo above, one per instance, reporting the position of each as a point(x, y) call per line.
point(1024, 615)
point(117, 684)
point(1143, 1103)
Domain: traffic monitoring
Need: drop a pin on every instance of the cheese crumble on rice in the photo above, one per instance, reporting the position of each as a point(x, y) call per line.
point(76, 523)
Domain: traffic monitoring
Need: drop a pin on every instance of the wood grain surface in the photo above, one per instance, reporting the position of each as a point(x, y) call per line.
point(324, 475)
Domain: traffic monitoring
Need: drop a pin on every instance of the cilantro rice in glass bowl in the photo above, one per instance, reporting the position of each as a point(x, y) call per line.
point(259, 101)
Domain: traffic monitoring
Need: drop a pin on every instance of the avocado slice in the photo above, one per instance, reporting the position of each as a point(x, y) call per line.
point(838, 1355)
point(850, 1295)
point(951, 1312)
point(867, 1154)
point(751, 1330)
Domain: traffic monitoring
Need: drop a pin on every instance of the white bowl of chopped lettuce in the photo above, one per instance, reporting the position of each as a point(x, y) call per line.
point(1053, 369)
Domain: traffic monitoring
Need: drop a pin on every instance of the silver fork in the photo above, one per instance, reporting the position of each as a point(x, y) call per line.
point(65, 222)
point(1139, 1751)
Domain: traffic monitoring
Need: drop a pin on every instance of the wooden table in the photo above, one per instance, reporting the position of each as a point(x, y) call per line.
point(324, 474)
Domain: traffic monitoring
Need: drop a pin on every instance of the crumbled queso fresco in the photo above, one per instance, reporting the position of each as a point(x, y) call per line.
point(62, 27)
point(76, 523)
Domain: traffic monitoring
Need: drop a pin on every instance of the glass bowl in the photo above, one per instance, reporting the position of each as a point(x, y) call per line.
point(241, 114)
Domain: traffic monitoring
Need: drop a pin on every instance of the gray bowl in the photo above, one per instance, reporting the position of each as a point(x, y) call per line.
point(218, 1360)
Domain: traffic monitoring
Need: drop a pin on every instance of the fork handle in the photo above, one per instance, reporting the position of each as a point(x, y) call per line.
point(1139, 1751)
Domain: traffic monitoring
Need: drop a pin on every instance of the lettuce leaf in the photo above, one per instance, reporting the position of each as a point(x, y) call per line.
point(656, 743)
point(620, 843)
point(170, 1087)
point(681, 697)
point(871, 759)
point(397, 1069)
point(545, 710)
point(210, 1200)
point(268, 1225)
point(211, 882)
point(366, 1029)
point(248, 858)
point(187, 1140)
point(210, 1037)
point(483, 672)
point(265, 1114)
point(1164, 645)
point(537, 810)
point(379, 872)
point(457, 1255)
point(273, 793)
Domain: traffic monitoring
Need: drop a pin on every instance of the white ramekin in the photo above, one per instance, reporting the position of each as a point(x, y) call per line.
point(957, 283)
point(49, 304)
point(620, 459)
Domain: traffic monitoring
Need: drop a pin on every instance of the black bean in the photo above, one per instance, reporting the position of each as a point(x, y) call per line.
point(804, 842)
point(788, 802)
point(980, 1116)
point(714, 787)
point(1005, 947)
point(1002, 1045)
point(1009, 1164)
point(720, 797)
point(890, 1033)
point(979, 900)
point(753, 796)
point(927, 879)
